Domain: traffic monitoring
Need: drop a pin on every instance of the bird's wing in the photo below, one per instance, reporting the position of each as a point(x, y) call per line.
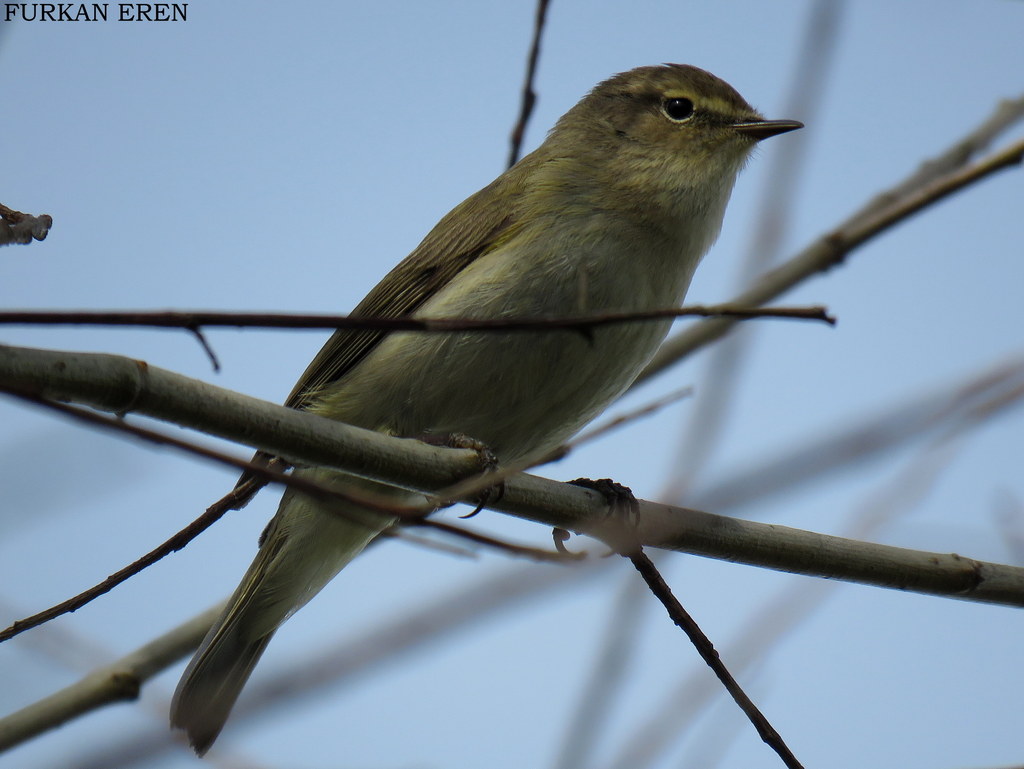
point(473, 228)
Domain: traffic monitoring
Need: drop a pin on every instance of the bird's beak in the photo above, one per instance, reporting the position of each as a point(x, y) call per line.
point(762, 129)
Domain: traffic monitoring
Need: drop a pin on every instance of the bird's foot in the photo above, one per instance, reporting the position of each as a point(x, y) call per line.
point(623, 516)
point(488, 463)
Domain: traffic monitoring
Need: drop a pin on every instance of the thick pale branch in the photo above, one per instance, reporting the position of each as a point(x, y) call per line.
point(122, 385)
point(117, 682)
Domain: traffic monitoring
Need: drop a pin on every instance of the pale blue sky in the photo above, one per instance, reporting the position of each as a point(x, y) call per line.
point(284, 156)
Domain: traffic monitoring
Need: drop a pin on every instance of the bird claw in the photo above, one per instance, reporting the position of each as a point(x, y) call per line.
point(623, 512)
point(488, 463)
point(560, 537)
point(621, 499)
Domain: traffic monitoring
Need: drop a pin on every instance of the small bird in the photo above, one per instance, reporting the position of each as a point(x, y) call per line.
point(612, 213)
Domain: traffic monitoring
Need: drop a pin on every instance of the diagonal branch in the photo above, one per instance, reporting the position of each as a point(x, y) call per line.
point(708, 653)
point(832, 248)
point(842, 446)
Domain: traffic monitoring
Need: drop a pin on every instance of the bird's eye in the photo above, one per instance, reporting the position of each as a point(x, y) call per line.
point(677, 109)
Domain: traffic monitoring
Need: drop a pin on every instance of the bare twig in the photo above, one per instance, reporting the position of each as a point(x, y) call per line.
point(19, 228)
point(707, 652)
point(213, 513)
point(529, 98)
point(197, 332)
point(843, 446)
point(831, 249)
point(955, 410)
point(60, 645)
point(1007, 113)
point(193, 321)
point(982, 402)
point(669, 717)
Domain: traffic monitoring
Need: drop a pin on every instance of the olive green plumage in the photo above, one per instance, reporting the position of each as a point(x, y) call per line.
point(611, 213)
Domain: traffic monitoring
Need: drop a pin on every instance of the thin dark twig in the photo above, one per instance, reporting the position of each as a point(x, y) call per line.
point(535, 553)
point(258, 475)
point(707, 651)
point(767, 627)
point(529, 98)
point(238, 496)
point(197, 332)
point(213, 514)
point(194, 320)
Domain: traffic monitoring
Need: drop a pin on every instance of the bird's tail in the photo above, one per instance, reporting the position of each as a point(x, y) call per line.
point(305, 545)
